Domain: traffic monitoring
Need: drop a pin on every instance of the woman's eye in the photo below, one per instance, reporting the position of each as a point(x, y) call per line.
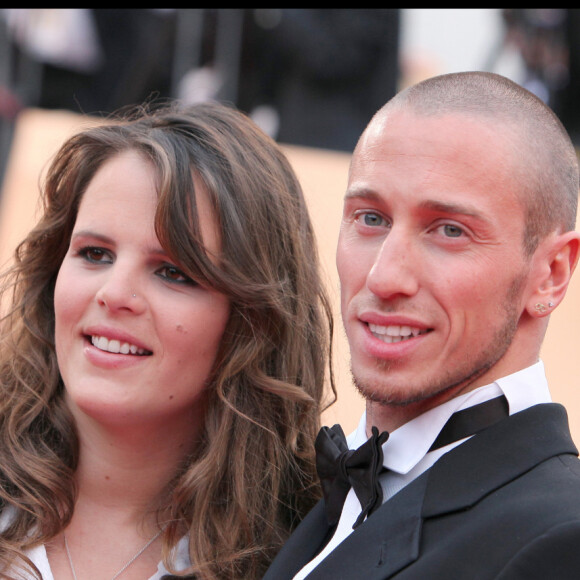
point(95, 255)
point(173, 274)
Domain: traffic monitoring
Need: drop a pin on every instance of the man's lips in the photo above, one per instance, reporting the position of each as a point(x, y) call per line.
point(395, 332)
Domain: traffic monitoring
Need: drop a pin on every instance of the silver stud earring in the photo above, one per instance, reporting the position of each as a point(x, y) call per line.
point(540, 307)
point(550, 304)
point(134, 295)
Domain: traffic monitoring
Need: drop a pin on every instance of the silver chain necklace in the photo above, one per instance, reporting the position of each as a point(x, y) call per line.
point(72, 568)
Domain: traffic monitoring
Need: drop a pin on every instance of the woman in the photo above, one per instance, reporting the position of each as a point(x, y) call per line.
point(162, 357)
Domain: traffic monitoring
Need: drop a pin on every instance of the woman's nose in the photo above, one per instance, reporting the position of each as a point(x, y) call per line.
point(120, 292)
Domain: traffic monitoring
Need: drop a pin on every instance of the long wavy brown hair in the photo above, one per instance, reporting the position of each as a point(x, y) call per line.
point(252, 478)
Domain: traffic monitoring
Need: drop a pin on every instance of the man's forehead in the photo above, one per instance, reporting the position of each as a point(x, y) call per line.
point(402, 132)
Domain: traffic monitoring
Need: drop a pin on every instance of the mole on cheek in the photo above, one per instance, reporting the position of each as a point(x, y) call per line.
point(180, 328)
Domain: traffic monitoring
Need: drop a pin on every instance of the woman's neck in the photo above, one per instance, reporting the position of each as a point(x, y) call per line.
point(128, 467)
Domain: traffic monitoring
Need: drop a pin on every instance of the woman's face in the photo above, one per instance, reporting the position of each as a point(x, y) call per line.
point(135, 338)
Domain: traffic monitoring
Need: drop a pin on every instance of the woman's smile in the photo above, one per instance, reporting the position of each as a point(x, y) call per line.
point(117, 347)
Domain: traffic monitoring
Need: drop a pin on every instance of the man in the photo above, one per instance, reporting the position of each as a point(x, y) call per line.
point(457, 242)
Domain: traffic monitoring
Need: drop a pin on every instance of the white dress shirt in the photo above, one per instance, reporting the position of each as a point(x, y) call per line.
point(406, 452)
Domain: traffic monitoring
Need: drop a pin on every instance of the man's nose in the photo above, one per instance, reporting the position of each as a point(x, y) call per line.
point(396, 266)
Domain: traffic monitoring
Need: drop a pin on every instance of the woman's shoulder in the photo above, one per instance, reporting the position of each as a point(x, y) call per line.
point(7, 515)
point(182, 561)
point(37, 554)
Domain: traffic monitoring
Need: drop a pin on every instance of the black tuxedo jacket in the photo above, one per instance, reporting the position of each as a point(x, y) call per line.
point(503, 505)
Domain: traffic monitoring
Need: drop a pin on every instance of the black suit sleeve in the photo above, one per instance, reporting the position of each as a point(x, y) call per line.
point(554, 555)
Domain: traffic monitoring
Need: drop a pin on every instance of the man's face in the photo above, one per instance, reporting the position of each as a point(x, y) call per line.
point(430, 259)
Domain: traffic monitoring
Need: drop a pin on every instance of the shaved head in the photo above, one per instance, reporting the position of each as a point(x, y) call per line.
point(544, 161)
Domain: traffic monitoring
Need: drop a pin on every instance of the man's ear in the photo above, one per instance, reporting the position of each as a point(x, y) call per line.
point(554, 261)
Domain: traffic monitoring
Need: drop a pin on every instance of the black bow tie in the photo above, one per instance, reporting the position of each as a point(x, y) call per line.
point(340, 468)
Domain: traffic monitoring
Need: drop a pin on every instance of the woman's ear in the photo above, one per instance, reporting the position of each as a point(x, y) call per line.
point(555, 260)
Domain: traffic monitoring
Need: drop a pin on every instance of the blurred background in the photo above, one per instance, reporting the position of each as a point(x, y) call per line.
point(311, 78)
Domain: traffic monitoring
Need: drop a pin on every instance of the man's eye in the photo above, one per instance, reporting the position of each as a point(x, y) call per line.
point(372, 219)
point(452, 231)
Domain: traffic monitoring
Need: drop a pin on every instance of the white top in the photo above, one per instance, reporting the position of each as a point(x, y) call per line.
point(406, 452)
point(39, 557)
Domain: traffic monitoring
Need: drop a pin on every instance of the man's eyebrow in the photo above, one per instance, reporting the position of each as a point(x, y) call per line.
point(361, 193)
point(431, 205)
point(452, 208)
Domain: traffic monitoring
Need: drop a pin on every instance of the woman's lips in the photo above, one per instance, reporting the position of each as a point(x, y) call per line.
point(116, 346)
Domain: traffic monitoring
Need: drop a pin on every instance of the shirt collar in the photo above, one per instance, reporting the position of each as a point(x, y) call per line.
point(409, 444)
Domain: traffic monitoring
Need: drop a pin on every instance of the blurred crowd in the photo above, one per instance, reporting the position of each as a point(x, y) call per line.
point(310, 77)
point(548, 41)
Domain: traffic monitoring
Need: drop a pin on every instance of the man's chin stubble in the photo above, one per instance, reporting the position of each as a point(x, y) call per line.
point(386, 395)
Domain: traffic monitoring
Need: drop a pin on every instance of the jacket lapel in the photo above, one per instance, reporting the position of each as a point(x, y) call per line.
point(496, 456)
point(302, 546)
point(385, 543)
